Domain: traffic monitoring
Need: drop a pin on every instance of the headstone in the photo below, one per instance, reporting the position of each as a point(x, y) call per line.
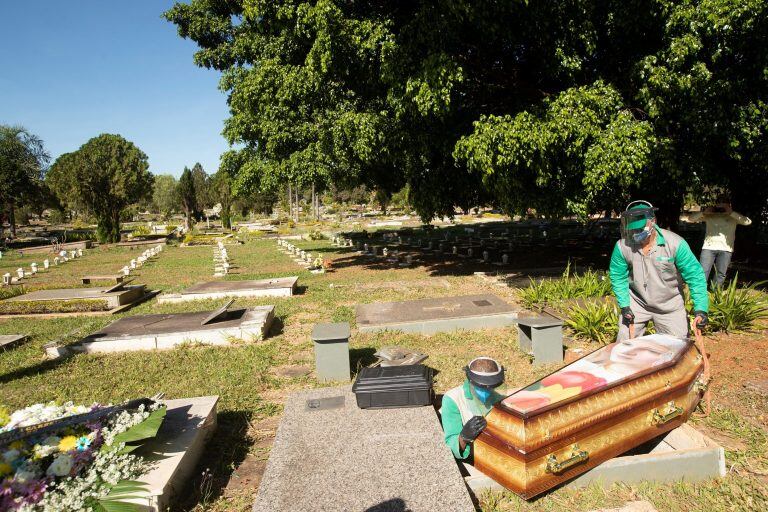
point(46, 264)
point(455, 250)
point(126, 270)
point(20, 273)
point(133, 264)
point(6, 279)
point(56, 260)
point(79, 252)
point(33, 266)
point(73, 254)
point(486, 256)
point(505, 258)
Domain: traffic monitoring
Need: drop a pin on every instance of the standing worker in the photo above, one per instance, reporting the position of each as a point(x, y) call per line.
point(721, 222)
point(464, 407)
point(649, 266)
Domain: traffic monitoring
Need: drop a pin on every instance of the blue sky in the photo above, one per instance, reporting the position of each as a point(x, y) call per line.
point(71, 70)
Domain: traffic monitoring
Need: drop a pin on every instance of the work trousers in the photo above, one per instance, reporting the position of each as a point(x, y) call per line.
point(720, 259)
point(674, 323)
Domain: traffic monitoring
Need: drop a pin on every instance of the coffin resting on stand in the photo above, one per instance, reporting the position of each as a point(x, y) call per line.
point(594, 409)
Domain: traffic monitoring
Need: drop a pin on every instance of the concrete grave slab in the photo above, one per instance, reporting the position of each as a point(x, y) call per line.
point(11, 340)
point(116, 299)
point(188, 424)
point(341, 458)
point(165, 331)
point(276, 287)
point(428, 316)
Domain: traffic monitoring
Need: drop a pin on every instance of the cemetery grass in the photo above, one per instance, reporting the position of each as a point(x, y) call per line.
point(252, 391)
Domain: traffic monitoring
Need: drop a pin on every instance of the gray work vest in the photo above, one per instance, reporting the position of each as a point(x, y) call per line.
point(655, 283)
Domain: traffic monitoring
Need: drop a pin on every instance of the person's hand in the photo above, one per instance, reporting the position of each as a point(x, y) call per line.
point(701, 319)
point(627, 316)
point(472, 428)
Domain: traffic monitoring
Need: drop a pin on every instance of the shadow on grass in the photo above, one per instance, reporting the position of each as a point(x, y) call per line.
point(30, 371)
point(225, 451)
point(361, 357)
point(277, 326)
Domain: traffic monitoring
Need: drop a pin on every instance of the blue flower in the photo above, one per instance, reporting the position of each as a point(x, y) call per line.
point(83, 443)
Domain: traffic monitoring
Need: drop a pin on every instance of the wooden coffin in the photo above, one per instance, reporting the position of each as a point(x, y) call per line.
point(589, 411)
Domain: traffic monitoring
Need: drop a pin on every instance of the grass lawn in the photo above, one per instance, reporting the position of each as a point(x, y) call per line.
point(247, 377)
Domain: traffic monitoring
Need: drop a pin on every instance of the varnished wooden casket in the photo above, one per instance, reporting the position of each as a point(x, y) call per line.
point(589, 411)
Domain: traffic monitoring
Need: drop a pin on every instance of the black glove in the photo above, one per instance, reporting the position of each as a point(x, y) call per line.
point(627, 316)
point(472, 428)
point(701, 319)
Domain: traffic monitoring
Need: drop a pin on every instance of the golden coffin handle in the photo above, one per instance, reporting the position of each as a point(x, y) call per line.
point(666, 414)
point(577, 456)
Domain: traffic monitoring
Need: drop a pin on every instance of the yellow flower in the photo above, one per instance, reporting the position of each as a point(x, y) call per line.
point(5, 469)
point(67, 443)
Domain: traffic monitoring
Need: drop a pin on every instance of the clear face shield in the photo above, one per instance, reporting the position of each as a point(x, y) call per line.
point(637, 222)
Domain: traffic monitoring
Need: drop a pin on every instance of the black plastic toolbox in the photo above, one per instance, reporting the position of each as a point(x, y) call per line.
point(394, 386)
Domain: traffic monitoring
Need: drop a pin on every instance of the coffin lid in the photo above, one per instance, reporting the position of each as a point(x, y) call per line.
point(596, 372)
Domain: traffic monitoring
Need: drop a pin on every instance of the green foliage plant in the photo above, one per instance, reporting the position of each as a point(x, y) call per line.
point(594, 321)
point(735, 308)
point(569, 286)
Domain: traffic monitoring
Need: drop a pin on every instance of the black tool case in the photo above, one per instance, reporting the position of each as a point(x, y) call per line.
point(394, 386)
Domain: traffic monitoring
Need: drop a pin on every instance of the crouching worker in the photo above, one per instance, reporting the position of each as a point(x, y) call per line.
point(464, 407)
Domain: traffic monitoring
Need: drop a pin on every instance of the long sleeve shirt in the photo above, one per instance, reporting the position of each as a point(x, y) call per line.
point(655, 280)
point(721, 229)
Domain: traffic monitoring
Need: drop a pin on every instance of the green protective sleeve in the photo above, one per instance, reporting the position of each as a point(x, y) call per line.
point(452, 425)
point(618, 271)
point(693, 275)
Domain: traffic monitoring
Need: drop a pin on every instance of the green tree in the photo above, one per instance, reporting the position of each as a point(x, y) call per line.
point(106, 175)
point(221, 192)
point(187, 197)
point(566, 106)
point(23, 161)
point(203, 195)
point(164, 198)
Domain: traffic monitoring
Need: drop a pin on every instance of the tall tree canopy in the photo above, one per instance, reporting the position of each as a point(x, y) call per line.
point(567, 106)
point(164, 198)
point(187, 196)
point(105, 175)
point(23, 161)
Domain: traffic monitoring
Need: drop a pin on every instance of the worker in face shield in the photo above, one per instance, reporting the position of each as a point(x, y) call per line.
point(464, 407)
point(648, 269)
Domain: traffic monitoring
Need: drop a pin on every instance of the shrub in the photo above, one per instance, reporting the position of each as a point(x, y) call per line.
point(141, 231)
point(737, 309)
point(316, 235)
point(595, 321)
point(576, 286)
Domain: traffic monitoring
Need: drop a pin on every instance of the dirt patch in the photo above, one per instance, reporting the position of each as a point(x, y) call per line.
point(292, 371)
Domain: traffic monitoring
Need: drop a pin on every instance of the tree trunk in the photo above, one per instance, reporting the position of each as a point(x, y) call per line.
point(12, 219)
point(290, 201)
point(296, 196)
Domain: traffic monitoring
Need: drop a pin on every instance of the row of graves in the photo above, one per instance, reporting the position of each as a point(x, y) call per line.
point(379, 445)
point(315, 264)
point(62, 257)
point(133, 456)
point(496, 243)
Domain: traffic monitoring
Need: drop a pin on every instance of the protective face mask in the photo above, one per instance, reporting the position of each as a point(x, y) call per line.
point(642, 236)
point(483, 394)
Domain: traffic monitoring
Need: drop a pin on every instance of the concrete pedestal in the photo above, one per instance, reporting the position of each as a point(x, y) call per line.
point(542, 337)
point(331, 343)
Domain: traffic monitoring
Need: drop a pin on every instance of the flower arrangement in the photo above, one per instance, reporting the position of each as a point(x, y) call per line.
point(84, 466)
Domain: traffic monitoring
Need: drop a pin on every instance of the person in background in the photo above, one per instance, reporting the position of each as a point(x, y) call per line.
point(464, 407)
point(648, 269)
point(721, 222)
